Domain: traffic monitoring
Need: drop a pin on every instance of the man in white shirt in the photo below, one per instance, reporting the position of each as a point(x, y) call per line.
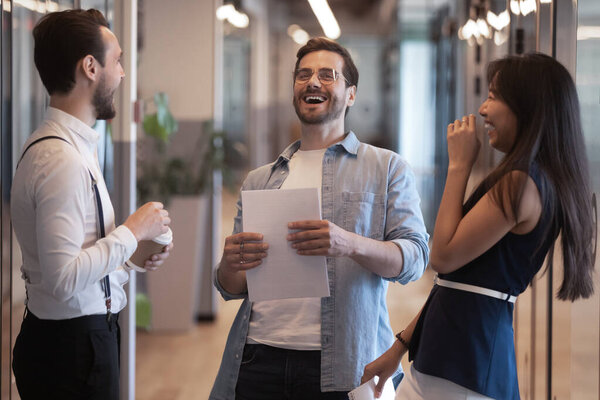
point(73, 254)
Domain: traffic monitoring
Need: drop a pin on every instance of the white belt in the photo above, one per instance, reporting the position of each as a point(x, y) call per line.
point(474, 289)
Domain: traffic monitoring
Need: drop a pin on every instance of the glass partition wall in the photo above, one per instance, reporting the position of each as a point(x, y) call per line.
point(585, 315)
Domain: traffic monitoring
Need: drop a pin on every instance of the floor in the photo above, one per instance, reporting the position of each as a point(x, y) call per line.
point(182, 366)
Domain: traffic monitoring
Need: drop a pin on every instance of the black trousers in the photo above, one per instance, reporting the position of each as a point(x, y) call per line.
point(271, 373)
point(67, 359)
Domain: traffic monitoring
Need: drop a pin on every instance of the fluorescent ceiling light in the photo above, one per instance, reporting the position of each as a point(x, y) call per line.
point(545, 1)
point(588, 32)
point(326, 18)
point(41, 7)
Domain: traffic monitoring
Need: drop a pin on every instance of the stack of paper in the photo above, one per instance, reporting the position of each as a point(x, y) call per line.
point(283, 273)
point(366, 391)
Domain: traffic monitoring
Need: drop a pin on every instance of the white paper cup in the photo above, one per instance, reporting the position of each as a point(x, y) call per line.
point(147, 248)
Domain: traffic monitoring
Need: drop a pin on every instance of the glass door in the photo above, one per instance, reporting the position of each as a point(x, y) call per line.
point(585, 315)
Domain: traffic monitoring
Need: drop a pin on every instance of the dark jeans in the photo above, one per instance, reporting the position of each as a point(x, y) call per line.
point(67, 359)
point(271, 373)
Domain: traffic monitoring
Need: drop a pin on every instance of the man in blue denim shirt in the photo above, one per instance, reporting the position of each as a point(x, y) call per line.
point(372, 232)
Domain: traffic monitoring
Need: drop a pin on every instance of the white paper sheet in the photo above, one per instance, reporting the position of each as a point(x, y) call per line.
point(283, 273)
point(366, 391)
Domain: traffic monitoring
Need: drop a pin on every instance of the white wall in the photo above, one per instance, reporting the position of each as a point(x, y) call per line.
point(178, 55)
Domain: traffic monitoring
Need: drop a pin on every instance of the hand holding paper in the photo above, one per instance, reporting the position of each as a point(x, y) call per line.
point(320, 237)
point(385, 366)
point(284, 273)
point(242, 251)
point(367, 391)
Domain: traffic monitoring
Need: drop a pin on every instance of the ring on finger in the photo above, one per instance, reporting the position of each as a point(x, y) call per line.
point(241, 247)
point(242, 260)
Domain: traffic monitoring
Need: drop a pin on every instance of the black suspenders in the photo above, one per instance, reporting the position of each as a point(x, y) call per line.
point(106, 280)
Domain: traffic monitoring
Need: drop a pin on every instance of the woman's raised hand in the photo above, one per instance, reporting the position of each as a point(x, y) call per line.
point(463, 143)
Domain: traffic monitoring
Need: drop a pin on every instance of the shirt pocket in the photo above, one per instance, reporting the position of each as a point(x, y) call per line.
point(363, 213)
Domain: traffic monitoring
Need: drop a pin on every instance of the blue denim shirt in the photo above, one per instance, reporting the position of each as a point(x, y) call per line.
point(369, 191)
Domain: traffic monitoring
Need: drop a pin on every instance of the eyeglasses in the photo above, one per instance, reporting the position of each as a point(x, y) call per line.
point(326, 76)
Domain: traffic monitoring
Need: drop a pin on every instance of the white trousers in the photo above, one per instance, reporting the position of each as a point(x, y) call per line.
point(418, 386)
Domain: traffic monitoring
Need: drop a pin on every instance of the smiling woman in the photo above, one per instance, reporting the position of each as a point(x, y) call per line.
point(487, 250)
point(500, 121)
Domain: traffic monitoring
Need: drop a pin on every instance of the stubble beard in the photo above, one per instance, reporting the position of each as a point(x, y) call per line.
point(335, 110)
point(103, 101)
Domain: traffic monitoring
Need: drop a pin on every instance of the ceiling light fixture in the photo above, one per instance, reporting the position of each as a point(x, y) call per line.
point(527, 6)
point(326, 18)
point(41, 7)
point(588, 32)
point(500, 21)
point(485, 24)
point(522, 7)
point(298, 34)
point(234, 17)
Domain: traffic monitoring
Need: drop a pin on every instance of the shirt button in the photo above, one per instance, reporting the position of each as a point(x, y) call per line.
point(237, 356)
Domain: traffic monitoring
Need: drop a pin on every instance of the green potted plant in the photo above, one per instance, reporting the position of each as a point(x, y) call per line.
point(163, 176)
point(184, 183)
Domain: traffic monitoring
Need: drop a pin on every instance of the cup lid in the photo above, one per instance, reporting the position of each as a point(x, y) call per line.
point(165, 238)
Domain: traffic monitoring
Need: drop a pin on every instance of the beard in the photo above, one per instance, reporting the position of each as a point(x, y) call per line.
point(336, 107)
point(103, 101)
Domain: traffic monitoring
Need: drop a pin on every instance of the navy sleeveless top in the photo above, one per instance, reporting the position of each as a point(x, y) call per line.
point(468, 338)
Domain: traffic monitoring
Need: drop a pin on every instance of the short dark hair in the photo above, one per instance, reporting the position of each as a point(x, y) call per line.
point(62, 39)
point(320, 43)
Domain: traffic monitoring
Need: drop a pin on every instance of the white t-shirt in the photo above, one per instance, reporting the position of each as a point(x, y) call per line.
point(292, 323)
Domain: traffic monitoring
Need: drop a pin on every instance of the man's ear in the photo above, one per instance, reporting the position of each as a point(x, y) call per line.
point(89, 66)
point(351, 95)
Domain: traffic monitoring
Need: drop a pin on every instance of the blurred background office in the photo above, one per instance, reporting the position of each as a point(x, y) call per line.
point(208, 96)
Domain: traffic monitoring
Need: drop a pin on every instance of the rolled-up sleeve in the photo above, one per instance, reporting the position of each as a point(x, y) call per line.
point(237, 227)
point(404, 221)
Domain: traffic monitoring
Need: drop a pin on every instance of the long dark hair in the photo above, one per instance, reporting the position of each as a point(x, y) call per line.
point(542, 95)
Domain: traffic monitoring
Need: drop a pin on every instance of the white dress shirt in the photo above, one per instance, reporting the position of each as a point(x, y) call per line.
point(53, 210)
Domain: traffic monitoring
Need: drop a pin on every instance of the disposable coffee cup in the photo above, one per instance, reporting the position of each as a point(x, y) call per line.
point(147, 248)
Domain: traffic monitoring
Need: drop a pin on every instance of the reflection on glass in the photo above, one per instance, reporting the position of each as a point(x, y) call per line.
point(585, 317)
point(29, 101)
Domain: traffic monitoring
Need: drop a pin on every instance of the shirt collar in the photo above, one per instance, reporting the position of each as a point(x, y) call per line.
point(74, 124)
point(350, 143)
